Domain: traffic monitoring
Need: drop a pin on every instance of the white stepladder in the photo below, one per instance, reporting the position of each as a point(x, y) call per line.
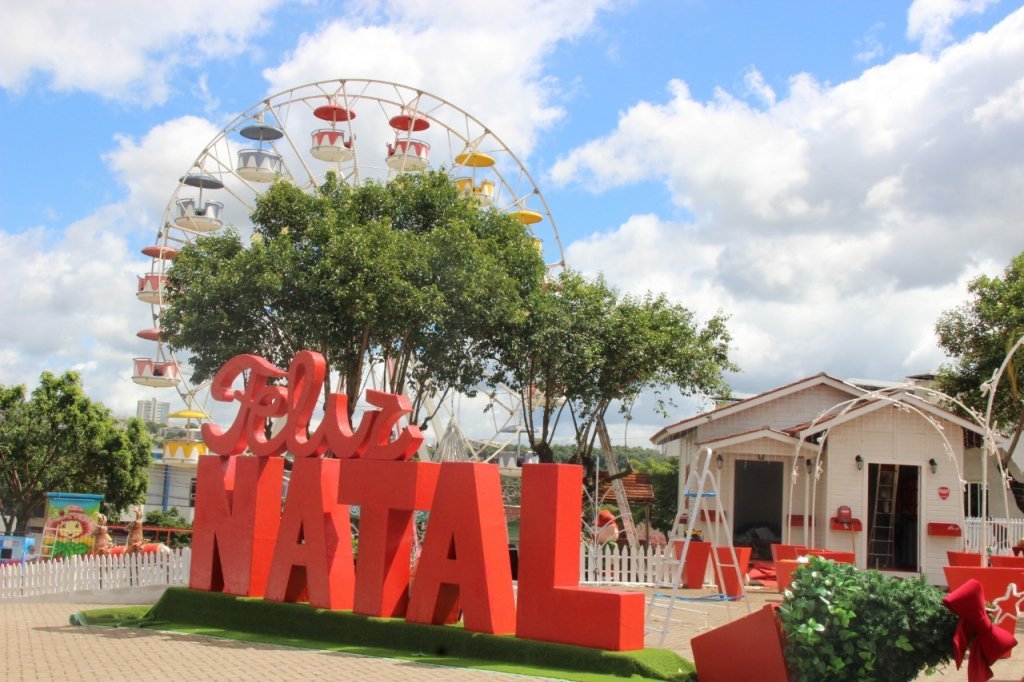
point(701, 497)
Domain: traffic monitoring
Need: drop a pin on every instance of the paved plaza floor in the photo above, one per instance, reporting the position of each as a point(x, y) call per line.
point(37, 643)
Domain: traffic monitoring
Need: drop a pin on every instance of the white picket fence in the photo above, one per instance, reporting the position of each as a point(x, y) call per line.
point(1002, 534)
point(607, 564)
point(36, 578)
point(612, 564)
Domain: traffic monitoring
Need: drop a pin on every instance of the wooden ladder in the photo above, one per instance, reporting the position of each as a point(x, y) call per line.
point(612, 463)
point(882, 538)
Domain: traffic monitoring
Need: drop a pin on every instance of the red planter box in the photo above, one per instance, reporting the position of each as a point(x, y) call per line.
point(963, 558)
point(749, 648)
point(838, 557)
point(784, 573)
point(1003, 561)
point(787, 552)
point(734, 579)
point(994, 582)
point(696, 563)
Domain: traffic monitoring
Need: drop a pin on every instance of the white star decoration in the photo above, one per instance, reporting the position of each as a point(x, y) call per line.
point(1012, 595)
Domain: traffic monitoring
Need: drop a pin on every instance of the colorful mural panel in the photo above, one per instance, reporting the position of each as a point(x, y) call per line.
point(70, 521)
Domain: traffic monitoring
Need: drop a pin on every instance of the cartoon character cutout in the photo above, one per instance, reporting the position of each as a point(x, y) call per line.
point(71, 530)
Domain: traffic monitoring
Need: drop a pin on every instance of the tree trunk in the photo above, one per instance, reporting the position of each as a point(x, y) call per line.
point(544, 452)
point(21, 519)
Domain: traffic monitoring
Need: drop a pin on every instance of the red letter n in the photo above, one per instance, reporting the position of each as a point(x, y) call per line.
point(238, 509)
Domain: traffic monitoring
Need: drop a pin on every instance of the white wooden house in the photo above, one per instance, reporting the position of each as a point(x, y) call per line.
point(788, 459)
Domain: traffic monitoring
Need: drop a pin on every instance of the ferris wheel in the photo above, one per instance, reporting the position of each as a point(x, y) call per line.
point(360, 130)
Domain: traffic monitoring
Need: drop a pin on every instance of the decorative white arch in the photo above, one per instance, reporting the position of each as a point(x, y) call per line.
point(897, 396)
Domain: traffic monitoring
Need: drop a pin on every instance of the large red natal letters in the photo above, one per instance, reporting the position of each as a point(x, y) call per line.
point(245, 544)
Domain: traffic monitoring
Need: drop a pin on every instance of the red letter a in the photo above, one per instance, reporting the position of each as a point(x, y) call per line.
point(237, 514)
point(552, 607)
point(313, 556)
point(465, 553)
point(387, 493)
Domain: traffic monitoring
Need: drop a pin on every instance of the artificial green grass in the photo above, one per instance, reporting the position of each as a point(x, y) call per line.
point(122, 616)
point(300, 625)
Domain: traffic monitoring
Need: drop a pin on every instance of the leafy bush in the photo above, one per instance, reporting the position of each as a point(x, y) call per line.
point(845, 624)
point(171, 518)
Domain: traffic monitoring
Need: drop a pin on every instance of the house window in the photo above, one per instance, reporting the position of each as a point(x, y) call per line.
point(192, 493)
point(972, 500)
point(972, 439)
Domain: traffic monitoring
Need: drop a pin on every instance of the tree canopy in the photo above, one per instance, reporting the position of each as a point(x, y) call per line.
point(977, 335)
point(584, 347)
point(412, 276)
point(409, 275)
point(58, 440)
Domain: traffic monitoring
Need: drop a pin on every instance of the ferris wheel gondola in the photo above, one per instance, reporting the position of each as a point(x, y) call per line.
point(301, 134)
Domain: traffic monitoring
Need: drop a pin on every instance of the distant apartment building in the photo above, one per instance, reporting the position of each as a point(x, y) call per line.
point(153, 410)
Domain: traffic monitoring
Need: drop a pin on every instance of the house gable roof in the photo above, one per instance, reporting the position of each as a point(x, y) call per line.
point(764, 432)
point(870, 405)
point(774, 394)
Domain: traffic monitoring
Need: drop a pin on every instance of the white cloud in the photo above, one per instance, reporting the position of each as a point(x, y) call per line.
point(719, 150)
point(871, 48)
point(840, 322)
point(121, 49)
point(490, 67)
point(836, 223)
point(929, 21)
point(74, 304)
point(758, 88)
point(1004, 107)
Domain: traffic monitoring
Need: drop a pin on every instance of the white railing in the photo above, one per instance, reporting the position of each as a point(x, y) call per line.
point(1002, 534)
point(35, 578)
point(611, 564)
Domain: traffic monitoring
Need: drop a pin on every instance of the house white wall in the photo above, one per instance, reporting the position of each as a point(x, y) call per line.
point(881, 434)
point(893, 436)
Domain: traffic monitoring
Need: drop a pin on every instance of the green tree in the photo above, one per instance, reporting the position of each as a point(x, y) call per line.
point(584, 347)
point(58, 440)
point(171, 518)
point(977, 335)
point(409, 275)
point(664, 475)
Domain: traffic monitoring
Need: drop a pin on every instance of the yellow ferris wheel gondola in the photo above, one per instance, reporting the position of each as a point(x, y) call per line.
point(183, 446)
point(188, 414)
point(474, 159)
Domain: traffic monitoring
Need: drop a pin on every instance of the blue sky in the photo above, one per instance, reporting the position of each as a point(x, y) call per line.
point(829, 174)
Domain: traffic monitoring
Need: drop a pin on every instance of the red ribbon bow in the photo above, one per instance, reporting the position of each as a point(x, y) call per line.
point(975, 630)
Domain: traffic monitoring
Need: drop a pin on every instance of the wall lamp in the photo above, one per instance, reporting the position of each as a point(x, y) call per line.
point(934, 465)
point(719, 460)
point(860, 462)
point(808, 464)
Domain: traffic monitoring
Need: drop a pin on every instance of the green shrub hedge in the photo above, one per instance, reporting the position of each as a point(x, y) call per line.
point(846, 624)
